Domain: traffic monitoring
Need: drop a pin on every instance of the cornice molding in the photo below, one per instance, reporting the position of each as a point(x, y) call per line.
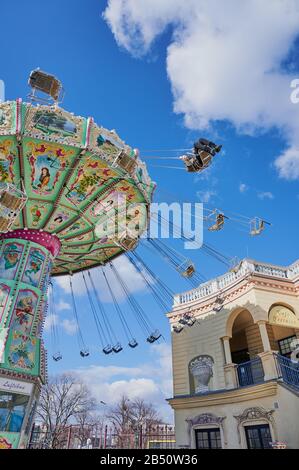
point(225, 397)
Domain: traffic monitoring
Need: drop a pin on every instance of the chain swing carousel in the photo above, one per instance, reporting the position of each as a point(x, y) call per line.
point(60, 175)
point(62, 181)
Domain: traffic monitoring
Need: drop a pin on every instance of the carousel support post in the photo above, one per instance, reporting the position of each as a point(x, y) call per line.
point(26, 259)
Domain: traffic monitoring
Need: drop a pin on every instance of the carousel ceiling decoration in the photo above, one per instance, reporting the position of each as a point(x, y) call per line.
point(71, 174)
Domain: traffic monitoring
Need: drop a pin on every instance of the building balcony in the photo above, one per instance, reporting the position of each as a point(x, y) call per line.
point(287, 371)
point(270, 366)
point(250, 373)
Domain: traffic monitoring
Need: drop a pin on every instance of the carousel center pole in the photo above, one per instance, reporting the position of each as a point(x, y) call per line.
point(26, 259)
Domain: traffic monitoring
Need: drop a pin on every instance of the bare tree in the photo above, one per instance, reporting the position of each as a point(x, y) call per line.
point(144, 414)
point(62, 400)
point(87, 423)
point(120, 414)
point(130, 417)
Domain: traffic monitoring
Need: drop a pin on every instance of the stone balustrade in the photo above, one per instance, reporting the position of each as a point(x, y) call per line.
point(227, 280)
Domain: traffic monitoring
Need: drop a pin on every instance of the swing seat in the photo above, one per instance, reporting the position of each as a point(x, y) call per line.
point(178, 328)
point(219, 300)
point(191, 163)
point(117, 348)
point(206, 159)
point(183, 320)
point(12, 201)
point(126, 162)
point(218, 304)
point(107, 349)
point(46, 83)
point(127, 243)
point(133, 343)
point(257, 231)
point(84, 353)
point(5, 224)
point(219, 224)
point(187, 269)
point(57, 357)
point(218, 308)
point(235, 265)
point(191, 322)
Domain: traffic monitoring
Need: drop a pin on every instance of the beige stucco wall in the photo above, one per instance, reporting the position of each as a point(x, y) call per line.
point(285, 418)
point(205, 337)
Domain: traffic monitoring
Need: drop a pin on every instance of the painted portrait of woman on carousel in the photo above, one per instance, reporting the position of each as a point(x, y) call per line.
point(44, 178)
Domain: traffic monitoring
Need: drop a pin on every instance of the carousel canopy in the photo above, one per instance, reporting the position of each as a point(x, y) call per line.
point(81, 183)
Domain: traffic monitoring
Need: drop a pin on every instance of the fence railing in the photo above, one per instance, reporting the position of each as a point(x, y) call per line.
point(250, 373)
point(287, 370)
point(162, 437)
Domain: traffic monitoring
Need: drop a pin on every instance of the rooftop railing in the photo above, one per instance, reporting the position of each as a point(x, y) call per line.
point(246, 268)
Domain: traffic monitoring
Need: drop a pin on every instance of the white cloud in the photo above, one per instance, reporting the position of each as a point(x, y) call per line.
point(77, 281)
point(265, 195)
point(151, 381)
point(62, 305)
point(287, 164)
point(223, 62)
point(69, 326)
point(243, 187)
point(51, 320)
point(206, 196)
point(125, 269)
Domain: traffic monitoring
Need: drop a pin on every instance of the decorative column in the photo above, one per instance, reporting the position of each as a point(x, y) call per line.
point(26, 258)
point(266, 356)
point(229, 368)
point(264, 335)
point(227, 352)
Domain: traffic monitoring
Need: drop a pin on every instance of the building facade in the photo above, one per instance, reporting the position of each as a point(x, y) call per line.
point(235, 352)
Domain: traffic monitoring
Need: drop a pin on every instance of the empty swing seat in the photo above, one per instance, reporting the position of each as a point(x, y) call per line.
point(257, 227)
point(218, 304)
point(178, 328)
point(133, 343)
point(218, 308)
point(153, 337)
point(127, 243)
point(84, 353)
point(183, 320)
point(57, 357)
point(187, 320)
point(126, 162)
point(9, 200)
point(191, 321)
point(107, 349)
point(219, 300)
point(117, 348)
point(45, 83)
point(12, 200)
point(5, 224)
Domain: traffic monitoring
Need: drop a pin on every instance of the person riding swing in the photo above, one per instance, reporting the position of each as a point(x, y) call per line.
point(203, 152)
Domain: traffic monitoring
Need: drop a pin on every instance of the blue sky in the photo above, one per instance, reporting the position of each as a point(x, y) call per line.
point(131, 72)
